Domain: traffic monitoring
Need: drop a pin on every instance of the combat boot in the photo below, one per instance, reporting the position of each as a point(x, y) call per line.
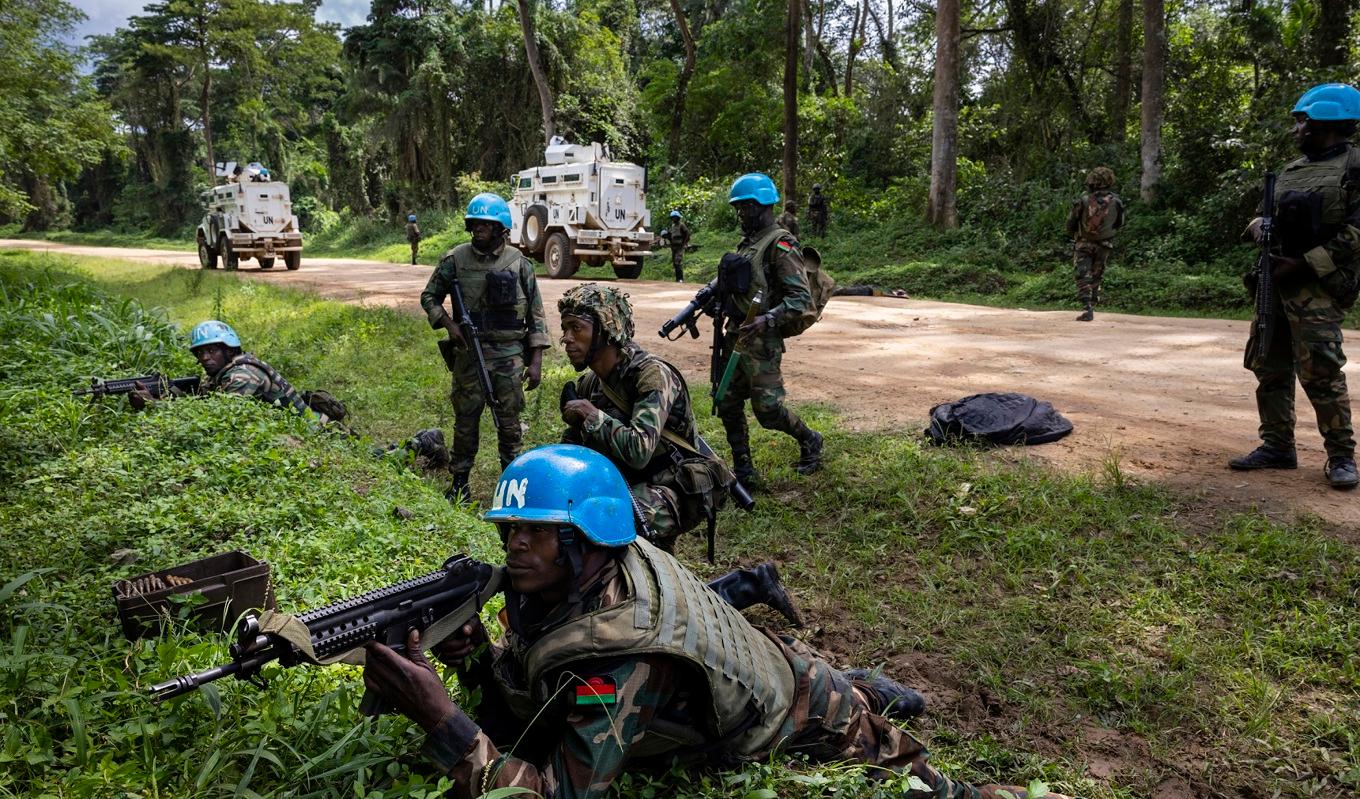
point(895, 700)
point(1087, 315)
point(759, 586)
point(458, 489)
point(809, 453)
point(1341, 472)
point(745, 468)
point(1264, 457)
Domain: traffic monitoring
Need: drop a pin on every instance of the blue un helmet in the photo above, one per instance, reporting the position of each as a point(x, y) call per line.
point(410, 217)
point(489, 207)
point(567, 484)
point(1330, 102)
point(753, 186)
point(213, 332)
point(675, 214)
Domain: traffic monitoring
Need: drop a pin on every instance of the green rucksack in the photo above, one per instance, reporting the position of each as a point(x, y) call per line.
point(821, 285)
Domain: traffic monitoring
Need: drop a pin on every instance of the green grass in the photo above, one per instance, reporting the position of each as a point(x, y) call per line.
point(1034, 607)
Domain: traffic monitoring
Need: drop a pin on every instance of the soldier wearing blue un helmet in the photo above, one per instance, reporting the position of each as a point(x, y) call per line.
point(768, 265)
point(1316, 268)
point(413, 236)
point(677, 238)
point(503, 302)
point(618, 657)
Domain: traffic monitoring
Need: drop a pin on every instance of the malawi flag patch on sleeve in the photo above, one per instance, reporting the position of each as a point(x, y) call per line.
point(784, 246)
point(597, 691)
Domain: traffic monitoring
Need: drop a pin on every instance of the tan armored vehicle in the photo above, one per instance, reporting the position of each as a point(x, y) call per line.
point(581, 206)
point(249, 216)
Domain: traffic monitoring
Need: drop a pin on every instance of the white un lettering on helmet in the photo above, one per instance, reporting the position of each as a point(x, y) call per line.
point(510, 493)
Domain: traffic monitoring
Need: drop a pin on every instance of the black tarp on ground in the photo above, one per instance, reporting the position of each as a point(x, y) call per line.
point(997, 418)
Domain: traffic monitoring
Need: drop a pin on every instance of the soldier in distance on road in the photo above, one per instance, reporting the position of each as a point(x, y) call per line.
point(677, 238)
point(1092, 223)
point(617, 658)
point(413, 236)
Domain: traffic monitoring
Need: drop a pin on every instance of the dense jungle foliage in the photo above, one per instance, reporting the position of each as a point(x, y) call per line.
point(1102, 637)
point(432, 100)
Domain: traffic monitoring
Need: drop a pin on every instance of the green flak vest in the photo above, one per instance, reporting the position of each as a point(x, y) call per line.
point(1099, 213)
point(671, 612)
point(678, 422)
point(280, 391)
point(757, 251)
point(497, 303)
point(1311, 198)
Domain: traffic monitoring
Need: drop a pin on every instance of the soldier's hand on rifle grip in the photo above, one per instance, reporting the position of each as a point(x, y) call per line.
point(455, 649)
point(408, 682)
point(1253, 231)
point(1285, 269)
point(140, 398)
point(576, 412)
point(533, 371)
point(455, 334)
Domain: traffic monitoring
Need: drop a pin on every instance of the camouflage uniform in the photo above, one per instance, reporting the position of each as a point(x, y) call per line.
point(249, 376)
point(1317, 219)
point(674, 489)
point(818, 212)
point(1092, 247)
point(413, 238)
point(789, 221)
point(503, 300)
point(777, 267)
point(661, 708)
point(678, 240)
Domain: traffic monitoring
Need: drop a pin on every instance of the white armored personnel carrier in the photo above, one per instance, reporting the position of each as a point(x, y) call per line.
point(581, 206)
point(249, 216)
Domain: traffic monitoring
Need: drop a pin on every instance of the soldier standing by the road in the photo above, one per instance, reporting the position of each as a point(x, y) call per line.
point(768, 261)
point(819, 209)
point(413, 236)
point(502, 298)
point(677, 237)
point(789, 220)
point(1092, 223)
point(1316, 271)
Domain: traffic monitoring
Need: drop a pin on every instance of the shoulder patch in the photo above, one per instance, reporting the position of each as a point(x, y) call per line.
point(597, 690)
point(786, 245)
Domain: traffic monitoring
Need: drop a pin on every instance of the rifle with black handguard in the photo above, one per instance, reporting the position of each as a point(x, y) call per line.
point(473, 338)
point(157, 385)
point(437, 604)
point(1263, 323)
point(688, 318)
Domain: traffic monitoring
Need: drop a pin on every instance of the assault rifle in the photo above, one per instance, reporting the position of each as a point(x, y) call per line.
point(473, 337)
point(437, 604)
point(688, 318)
point(157, 385)
point(1263, 323)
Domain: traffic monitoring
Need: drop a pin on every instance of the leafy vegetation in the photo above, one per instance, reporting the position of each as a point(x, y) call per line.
point(1057, 622)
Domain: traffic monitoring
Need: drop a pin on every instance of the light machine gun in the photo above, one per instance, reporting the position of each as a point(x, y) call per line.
point(1263, 322)
point(437, 604)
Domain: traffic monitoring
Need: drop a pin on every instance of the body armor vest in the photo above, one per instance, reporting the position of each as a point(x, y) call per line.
point(750, 684)
point(680, 419)
point(757, 250)
point(279, 392)
point(496, 301)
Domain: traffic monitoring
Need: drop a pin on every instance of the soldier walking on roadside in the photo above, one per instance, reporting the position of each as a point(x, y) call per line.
point(677, 237)
point(789, 220)
point(501, 293)
point(819, 210)
point(1316, 273)
point(413, 236)
point(1092, 223)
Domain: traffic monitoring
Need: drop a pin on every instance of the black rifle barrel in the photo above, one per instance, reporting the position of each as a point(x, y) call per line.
point(157, 385)
point(474, 342)
point(1263, 323)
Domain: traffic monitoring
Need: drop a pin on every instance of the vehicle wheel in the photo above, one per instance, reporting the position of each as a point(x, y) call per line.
point(535, 231)
point(266, 263)
point(292, 260)
point(206, 257)
point(558, 257)
point(230, 260)
point(628, 272)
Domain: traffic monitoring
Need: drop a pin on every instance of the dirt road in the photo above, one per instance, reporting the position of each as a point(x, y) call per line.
point(1167, 397)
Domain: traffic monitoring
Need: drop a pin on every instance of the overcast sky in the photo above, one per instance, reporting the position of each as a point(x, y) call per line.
point(107, 15)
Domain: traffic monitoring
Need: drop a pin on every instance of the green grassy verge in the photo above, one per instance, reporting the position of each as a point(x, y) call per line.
point(1098, 635)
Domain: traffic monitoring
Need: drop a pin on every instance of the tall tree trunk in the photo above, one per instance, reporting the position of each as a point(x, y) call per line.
point(682, 84)
point(545, 96)
point(856, 42)
point(792, 30)
point(1123, 70)
point(941, 209)
point(809, 44)
point(207, 124)
point(1333, 33)
point(1154, 66)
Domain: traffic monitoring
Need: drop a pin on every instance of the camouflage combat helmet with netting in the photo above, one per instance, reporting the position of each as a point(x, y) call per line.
point(606, 305)
point(1102, 177)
